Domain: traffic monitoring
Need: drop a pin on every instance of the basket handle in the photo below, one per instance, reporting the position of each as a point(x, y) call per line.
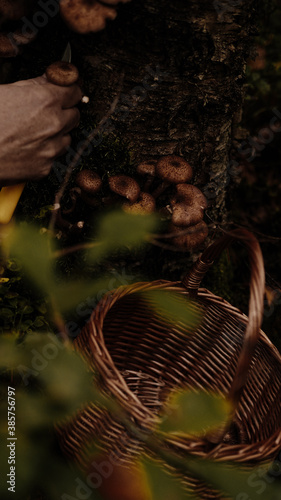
point(257, 285)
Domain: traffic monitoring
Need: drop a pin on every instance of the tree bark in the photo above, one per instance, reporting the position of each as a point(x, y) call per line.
point(184, 66)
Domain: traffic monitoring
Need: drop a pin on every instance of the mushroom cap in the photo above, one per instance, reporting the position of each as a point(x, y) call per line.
point(88, 181)
point(125, 186)
point(147, 168)
point(186, 215)
point(86, 16)
point(62, 73)
point(144, 205)
point(115, 2)
point(190, 195)
point(7, 48)
point(13, 10)
point(174, 169)
point(10, 42)
point(195, 237)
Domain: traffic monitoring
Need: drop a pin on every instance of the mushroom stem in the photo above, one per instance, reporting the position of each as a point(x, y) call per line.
point(160, 189)
point(148, 183)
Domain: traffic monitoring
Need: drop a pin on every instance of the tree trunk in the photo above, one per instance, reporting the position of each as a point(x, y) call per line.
point(183, 65)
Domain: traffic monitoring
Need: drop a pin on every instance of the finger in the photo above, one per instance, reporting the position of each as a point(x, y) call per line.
point(71, 119)
point(40, 80)
point(68, 96)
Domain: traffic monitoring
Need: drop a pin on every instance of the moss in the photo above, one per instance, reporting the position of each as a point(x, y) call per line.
point(221, 281)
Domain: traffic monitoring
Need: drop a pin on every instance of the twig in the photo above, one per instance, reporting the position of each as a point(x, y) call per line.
point(78, 155)
point(59, 322)
point(74, 248)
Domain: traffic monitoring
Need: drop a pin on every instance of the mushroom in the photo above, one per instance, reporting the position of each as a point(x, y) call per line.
point(125, 186)
point(10, 42)
point(86, 16)
point(14, 10)
point(144, 205)
point(190, 241)
point(172, 170)
point(188, 205)
point(190, 195)
point(62, 73)
point(7, 47)
point(147, 168)
point(115, 2)
point(186, 215)
point(89, 183)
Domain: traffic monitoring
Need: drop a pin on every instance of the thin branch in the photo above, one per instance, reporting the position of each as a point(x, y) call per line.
point(74, 248)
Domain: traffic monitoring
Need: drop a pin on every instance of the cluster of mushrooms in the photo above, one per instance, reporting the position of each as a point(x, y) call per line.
point(85, 16)
point(82, 16)
point(164, 181)
point(12, 37)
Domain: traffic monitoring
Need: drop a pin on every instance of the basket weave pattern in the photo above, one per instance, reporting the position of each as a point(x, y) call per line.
point(141, 359)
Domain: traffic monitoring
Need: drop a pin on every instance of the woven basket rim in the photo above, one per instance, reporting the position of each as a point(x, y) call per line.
point(115, 379)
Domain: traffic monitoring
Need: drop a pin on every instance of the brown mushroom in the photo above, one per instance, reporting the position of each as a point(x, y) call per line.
point(115, 2)
point(10, 42)
point(188, 205)
point(62, 73)
point(7, 47)
point(193, 239)
point(186, 215)
point(190, 195)
point(144, 205)
point(14, 10)
point(125, 186)
point(147, 168)
point(172, 169)
point(86, 16)
point(89, 183)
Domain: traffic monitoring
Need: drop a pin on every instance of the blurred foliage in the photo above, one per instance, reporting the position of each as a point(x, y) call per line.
point(52, 382)
point(195, 413)
point(175, 308)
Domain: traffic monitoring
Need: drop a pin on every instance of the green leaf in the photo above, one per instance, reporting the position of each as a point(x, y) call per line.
point(6, 313)
point(119, 229)
point(175, 307)
point(194, 413)
point(32, 250)
point(164, 486)
point(69, 295)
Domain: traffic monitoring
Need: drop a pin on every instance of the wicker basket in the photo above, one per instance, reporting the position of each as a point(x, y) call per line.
point(141, 359)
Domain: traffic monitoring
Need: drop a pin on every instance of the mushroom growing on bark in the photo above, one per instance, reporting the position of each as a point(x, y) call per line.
point(147, 169)
point(14, 10)
point(89, 183)
point(188, 205)
point(86, 16)
point(144, 205)
point(10, 43)
point(172, 170)
point(194, 238)
point(125, 186)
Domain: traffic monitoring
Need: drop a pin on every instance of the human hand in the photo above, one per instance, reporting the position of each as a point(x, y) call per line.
point(35, 120)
